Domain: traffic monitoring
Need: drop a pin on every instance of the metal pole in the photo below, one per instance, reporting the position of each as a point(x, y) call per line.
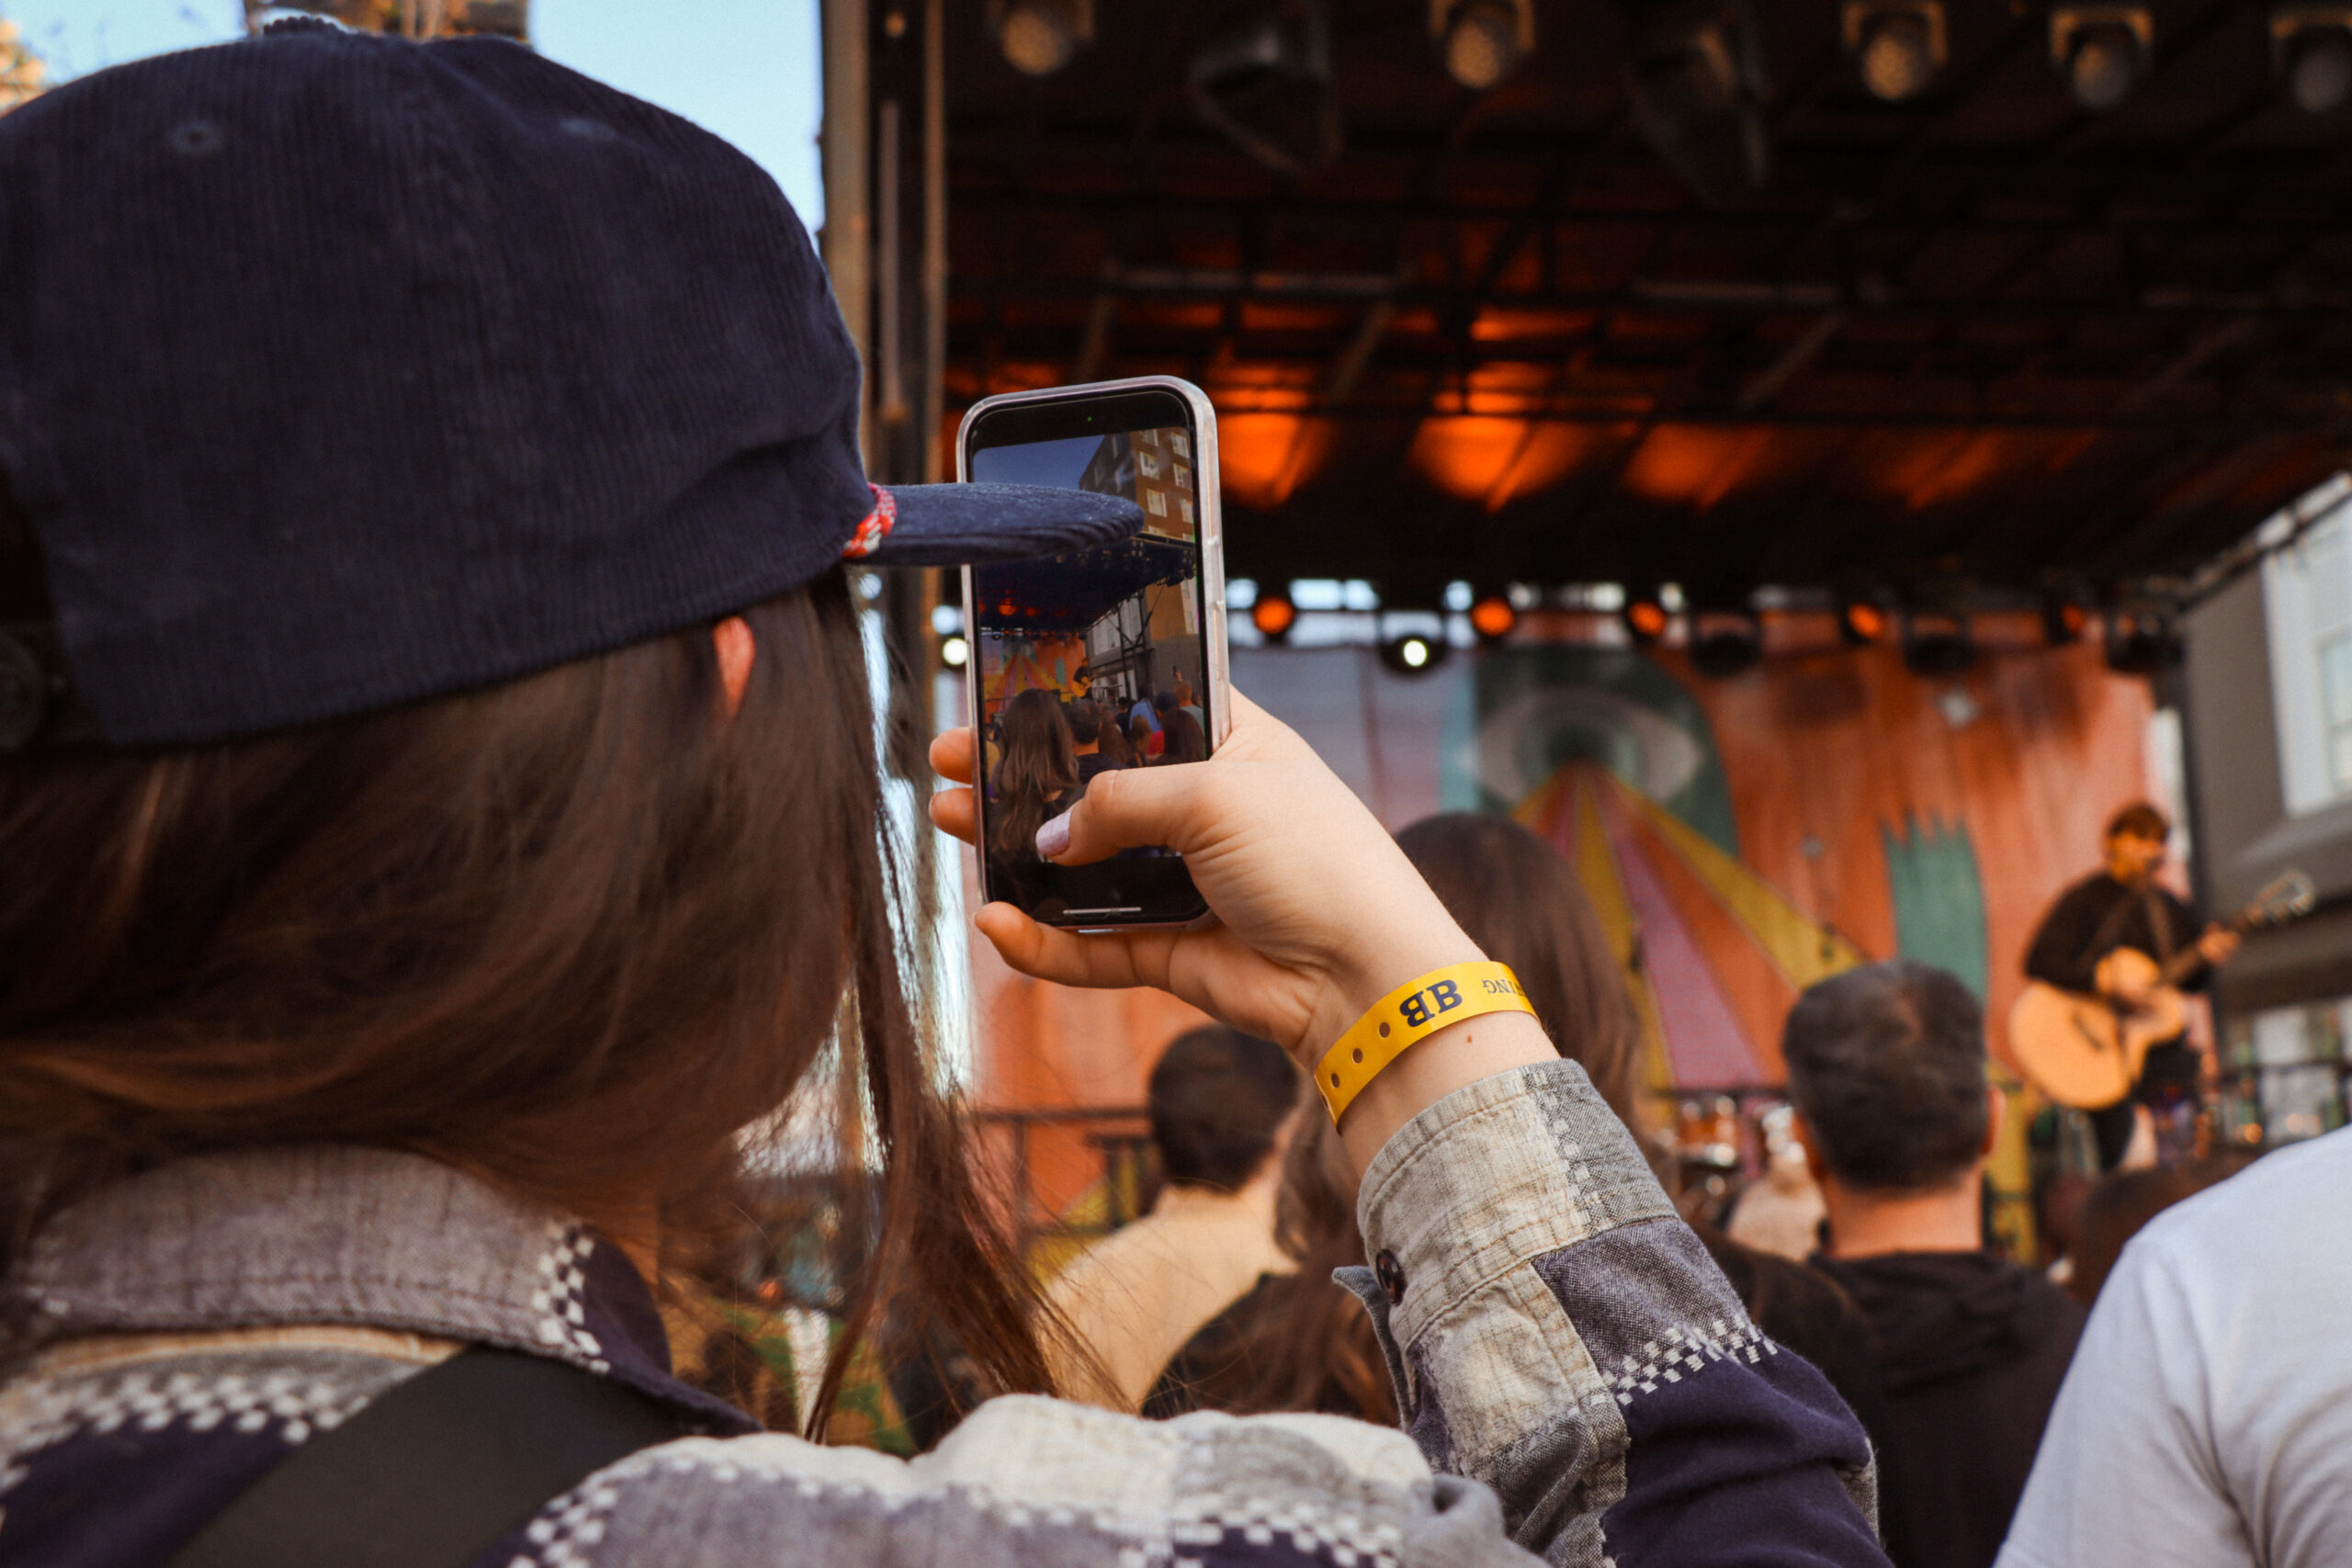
point(847, 241)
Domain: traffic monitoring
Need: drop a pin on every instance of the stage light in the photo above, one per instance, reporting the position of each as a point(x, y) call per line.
point(1493, 618)
point(1262, 76)
point(1645, 618)
point(1039, 36)
point(1862, 618)
point(2104, 50)
point(1274, 614)
point(1725, 643)
point(1896, 45)
point(2063, 618)
point(1414, 653)
point(2311, 49)
point(2141, 640)
point(1483, 41)
point(1698, 91)
point(953, 652)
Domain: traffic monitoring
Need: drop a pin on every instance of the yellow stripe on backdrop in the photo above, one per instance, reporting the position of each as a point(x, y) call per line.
point(1802, 949)
point(1563, 810)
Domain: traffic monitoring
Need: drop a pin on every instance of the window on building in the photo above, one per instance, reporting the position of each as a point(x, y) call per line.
point(1184, 508)
point(1156, 503)
point(1147, 464)
point(1180, 441)
point(2307, 604)
point(1183, 474)
point(2335, 707)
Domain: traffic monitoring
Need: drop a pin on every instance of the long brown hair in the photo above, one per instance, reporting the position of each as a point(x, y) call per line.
point(572, 933)
point(1517, 897)
point(1185, 742)
point(1298, 1343)
point(1036, 768)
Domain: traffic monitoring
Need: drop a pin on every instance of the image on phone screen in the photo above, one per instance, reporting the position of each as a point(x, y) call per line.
point(1090, 663)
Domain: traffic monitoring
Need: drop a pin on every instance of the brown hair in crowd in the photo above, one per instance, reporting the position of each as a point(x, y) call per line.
point(1518, 899)
point(2140, 820)
point(1185, 742)
point(2123, 1202)
point(1115, 742)
point(1301, 1344)
point(572, 933)
point(1036, 769)
point(1216, 1100)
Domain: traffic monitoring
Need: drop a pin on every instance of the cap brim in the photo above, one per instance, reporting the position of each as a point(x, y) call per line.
point(965, 524)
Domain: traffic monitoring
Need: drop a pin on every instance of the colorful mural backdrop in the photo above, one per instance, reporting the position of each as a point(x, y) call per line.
point(1740, 838)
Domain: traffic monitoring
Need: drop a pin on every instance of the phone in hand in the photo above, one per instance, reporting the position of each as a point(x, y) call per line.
point(1101, 659)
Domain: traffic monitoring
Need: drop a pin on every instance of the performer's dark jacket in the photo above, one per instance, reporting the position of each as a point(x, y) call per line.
point(2098, 915)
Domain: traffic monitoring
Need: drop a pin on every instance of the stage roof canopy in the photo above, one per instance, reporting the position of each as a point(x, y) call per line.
point(1982, 334)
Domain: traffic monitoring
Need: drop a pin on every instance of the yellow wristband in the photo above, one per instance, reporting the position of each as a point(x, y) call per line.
point(1408, 1015)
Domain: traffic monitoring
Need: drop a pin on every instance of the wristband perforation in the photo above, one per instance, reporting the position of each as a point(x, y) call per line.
point(1406, 1016)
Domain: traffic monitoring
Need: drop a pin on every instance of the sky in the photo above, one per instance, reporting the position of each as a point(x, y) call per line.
point(745, 69)
point(1057, 462)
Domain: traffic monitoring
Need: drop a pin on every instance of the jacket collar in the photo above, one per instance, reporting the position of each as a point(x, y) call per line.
point(338, 1235)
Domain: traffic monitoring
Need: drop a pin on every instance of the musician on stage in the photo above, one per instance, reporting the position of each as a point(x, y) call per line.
point(2121, 906)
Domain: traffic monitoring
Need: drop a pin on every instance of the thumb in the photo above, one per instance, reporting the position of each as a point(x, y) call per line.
point(1124, 809)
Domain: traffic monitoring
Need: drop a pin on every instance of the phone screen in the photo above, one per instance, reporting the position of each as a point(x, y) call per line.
point(1094, 660)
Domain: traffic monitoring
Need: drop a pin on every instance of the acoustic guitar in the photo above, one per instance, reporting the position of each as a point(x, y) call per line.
point(2086, 1051)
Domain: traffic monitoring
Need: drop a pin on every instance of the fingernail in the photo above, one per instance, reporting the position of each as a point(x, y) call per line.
point(1054, 837)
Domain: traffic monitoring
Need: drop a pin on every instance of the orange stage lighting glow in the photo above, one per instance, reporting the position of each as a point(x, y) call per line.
point(1492, 617)
point(1262, 458)
point(1867, 623)
point(1647, 617)
point(1694, 465)
point(1273, 616)
point(1491, 459)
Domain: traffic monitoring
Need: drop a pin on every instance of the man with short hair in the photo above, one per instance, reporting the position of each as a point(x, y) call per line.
point(1223, 1107)
point(1086, 721)
point(1886, 1071)
point(2122, 906)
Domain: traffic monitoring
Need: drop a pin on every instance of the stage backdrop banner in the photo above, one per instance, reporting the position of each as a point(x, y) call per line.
point(1740, 838)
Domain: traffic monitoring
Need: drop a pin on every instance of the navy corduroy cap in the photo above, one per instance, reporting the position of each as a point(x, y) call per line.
point(338, 370)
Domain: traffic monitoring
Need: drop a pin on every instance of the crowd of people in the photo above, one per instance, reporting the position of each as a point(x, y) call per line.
point(1043, 750)
point(439, 865)
point(1950, 1355)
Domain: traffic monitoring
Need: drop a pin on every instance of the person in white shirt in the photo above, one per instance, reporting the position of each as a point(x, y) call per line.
point(2207, 1415)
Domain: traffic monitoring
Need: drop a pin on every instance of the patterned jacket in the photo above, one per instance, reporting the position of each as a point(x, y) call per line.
point(1582, 1383)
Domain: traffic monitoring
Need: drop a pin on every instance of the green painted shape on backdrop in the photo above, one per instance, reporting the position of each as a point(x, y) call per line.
point(1506, 674)
point(1939, 897)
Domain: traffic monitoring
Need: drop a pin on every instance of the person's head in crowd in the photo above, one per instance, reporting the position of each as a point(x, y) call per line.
point(1163, 703)
point(2136, 837)
point(2120, 1206)
point(452, 733)
point(1181, 739)
point(1218, 1102)
point(1146, 738)
point(1518, 899)
point(1037, 770)
point(1113, 745)
point(1886, 1073)
point(1086, 727)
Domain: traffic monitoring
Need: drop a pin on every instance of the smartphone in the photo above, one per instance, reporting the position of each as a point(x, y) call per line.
point(1099, 658)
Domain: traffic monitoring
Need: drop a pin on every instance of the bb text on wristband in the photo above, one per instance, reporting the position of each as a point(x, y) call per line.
point(1408, 1015)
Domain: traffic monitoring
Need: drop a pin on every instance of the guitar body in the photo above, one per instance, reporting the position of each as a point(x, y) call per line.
point(2086, 1051)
